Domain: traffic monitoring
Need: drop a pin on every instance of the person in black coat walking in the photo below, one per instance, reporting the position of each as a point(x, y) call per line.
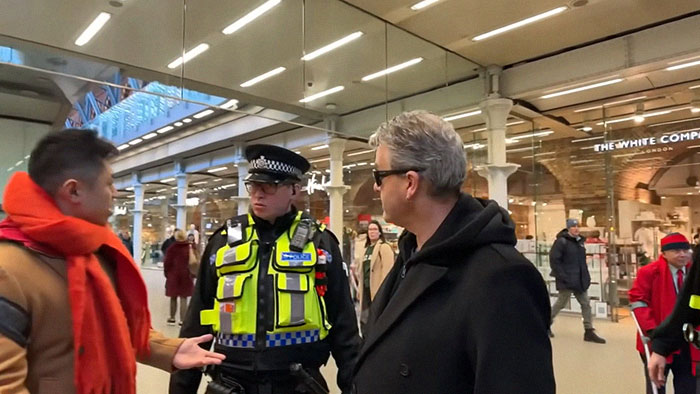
point(567, 258)
point(461, 311)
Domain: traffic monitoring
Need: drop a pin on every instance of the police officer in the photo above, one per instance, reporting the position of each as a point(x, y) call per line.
point(273, 289)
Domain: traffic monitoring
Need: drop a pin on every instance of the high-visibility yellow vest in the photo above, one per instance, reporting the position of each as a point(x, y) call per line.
point(300, 313)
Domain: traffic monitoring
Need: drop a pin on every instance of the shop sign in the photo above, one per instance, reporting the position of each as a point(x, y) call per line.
point(648, 141)
point(119, 211)
point(312, 185)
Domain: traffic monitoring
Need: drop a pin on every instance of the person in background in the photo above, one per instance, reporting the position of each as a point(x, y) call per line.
point(73, 306)
point(169, 240)
point(461, 311)
point(652, 298)
point(193, 231)
point(374, 267)
point(567, 258)
point(178, 280)
point(125, 237)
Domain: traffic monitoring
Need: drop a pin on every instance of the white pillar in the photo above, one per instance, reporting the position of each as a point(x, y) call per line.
point(243, 199)
point(336, 189)
point(495, 112)
point(138, 218)
point(181, 206)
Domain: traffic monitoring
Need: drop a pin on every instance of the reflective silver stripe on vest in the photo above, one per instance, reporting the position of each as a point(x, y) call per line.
point(229, 285)
point(225, 321)
point(639, 304)
point(297, 300)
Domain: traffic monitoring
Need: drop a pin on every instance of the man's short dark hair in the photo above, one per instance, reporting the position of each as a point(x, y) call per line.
point(71, 153)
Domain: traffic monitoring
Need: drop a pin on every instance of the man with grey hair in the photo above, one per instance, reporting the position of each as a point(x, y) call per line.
point(461, 310)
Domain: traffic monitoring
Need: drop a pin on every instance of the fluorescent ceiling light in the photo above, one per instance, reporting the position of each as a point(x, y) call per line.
point(319, 147)
point(392, 69)
point(319, 160)
point(649, 115)
point(262, 77)
point(332, 46)
point(204, 113)
point(229, 104)
point(199, 183)
point(322, 94)
point(423, 4)
point(684, 65)
point(19, 163)
point(586, 128)
point(94, 27)
point(462, 115)
point(474, 146)
point(582, 88)
point(123, 146)
point(694, 87)
point(164, 129)
point(149, 136)
point(361, 152)
point(186, 120)
point(251, 16)
point(600, 137)
point(135, 141)
point(177, 124)
point(167, 180)
point(189, 55)
point(610, 104)
point(521, 23)
point(531, 135)
point(507, 124)
point(219, 169)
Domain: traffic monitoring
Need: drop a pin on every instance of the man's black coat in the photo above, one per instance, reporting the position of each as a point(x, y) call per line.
point(470, 315)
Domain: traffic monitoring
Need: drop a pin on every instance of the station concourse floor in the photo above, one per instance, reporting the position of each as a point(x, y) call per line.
point(580, 367)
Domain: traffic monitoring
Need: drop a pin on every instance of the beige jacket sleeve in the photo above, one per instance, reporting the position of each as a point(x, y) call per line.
point(13, 357)
point(163, 351)
point(381, 267)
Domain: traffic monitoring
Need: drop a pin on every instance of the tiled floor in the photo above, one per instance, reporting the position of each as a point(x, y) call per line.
point(580, 367)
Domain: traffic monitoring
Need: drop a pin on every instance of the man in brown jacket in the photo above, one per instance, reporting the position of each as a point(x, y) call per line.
point(73, 307)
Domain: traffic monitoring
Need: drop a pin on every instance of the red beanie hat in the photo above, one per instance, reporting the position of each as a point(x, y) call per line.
point(674, 241)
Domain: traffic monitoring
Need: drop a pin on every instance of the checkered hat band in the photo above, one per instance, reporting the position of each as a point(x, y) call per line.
point(262, 163)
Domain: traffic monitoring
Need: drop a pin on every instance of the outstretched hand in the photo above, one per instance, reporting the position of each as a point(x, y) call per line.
point(190, 355)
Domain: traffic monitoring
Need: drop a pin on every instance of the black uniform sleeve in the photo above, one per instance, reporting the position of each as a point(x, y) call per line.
point(187, 381)
point(668, 336)
point(343, 337)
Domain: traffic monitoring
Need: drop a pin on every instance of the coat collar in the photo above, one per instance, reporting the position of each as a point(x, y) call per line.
point(387, 309)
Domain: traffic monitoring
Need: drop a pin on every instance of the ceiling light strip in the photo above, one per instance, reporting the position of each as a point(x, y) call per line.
point(263, 77)
point(332, 46)
point(392, 69)
point(462, 115)
point(93, 28)
point(322, 94)
point(521, 23)
point(582, 88)
point(251, 16)
point(189, 55)
point(422, 4)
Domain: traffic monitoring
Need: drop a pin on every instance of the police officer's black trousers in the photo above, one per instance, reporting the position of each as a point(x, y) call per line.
point(271, 382)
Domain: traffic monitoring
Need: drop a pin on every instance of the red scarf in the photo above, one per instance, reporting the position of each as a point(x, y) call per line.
point(110, 328)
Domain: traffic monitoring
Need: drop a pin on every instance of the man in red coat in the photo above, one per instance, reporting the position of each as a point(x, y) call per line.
point(653, 296)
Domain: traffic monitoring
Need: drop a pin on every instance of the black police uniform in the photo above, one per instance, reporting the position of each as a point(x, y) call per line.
point(261, 369)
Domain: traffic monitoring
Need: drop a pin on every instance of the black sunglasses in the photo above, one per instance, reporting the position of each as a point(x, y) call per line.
point(379, 175)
